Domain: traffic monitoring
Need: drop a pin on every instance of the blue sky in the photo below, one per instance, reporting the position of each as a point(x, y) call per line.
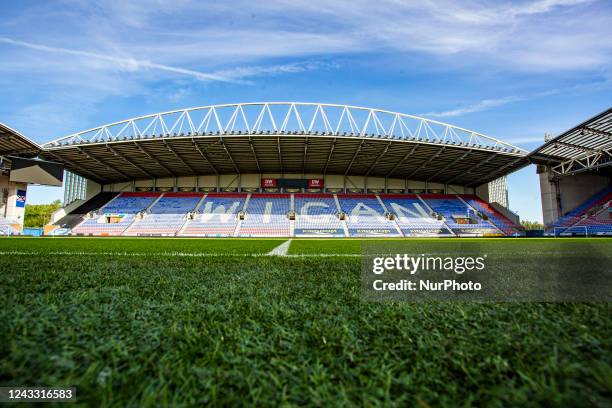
point(513, 70)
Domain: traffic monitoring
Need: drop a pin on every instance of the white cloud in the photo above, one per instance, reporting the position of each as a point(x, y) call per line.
point(131, 64)
point(128, 64)
point(526, 35)
point(86, 53)
point(258, 70)
point(476, 107)
point(532, 35)
point(485, 104)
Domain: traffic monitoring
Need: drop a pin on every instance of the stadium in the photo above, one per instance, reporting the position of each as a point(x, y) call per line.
point(279, 169)
point(186, 266)
point(306, 203)
point(283, 169)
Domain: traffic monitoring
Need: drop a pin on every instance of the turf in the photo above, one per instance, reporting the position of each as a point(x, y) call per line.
point(147, 322)
point(139, 245)
point(508, 246)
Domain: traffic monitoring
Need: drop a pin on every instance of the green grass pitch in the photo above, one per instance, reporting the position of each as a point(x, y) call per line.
point(186, 322)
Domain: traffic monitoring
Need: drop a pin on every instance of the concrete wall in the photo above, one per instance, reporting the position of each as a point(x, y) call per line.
point(334, 181)
point(436, 186)
point(8, 200)
point(396, 184)
point(207, 181)
point(512, 216)
point(454, 189)
point(143, 184)
point(93, 188)
point(124, 186)
point(562, 194)
point(165, 182)
point(250, 181)
point(186, 182)
point(63, 211)
point(229, 181)
point(577, 189)
point(416, 184)
point(483, 192)
point(375, 183)
point(549, 192)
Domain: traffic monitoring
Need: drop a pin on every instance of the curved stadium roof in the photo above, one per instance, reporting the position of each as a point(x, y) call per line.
point(585, 147)
point(13, 142)
point(285, 137)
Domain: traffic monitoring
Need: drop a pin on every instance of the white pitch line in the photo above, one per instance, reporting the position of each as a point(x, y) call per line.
point(280, 250)
point(169, 254)
point(245, 255)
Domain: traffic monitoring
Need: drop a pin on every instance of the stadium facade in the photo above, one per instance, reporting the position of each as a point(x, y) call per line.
point(13, 190)
point(575, 170)
point(283, 169)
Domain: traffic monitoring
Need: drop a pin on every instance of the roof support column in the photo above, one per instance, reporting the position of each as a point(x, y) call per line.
point(229, 155)
point(203, 155)
point(331, 151)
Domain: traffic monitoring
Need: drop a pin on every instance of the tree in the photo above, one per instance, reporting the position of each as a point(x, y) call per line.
point(532, 225)
point(38, 215)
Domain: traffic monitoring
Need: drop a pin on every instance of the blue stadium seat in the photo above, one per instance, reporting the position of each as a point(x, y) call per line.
point(125, 206)
point(413, 216)
point(317, 215)
point(266, 216)
point(453, 210)
point(167, 216)
point(590, 217)
point(500, 221)
point(217, 216)
point(365, 216)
